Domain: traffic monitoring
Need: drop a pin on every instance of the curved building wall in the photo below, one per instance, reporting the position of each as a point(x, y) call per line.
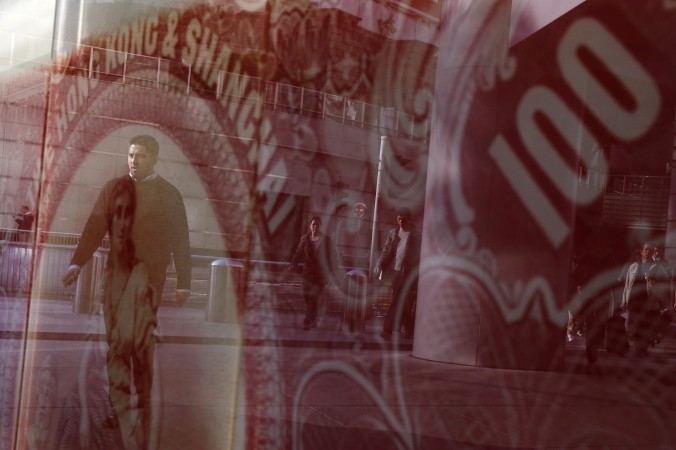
point(523, 238)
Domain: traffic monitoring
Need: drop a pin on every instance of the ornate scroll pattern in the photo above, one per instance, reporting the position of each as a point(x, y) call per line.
point(392, 411)
point(470, 261)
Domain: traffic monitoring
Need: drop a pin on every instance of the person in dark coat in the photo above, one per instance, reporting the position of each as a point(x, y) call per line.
point(319, 257)
point(24, 220)
point(160, 231)
point(155, 231)
point(663, 290)
point(24, 224)
point(663, 276)
point(399, 262)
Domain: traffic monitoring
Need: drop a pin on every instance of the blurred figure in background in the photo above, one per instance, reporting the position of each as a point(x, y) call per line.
point(574, 326)
point(399, 262)
point(24, 224)
point(320, 261)
point(637, 302)
point(660, 286)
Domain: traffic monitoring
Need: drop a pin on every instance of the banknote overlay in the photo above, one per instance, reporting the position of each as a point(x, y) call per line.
point(486, 143)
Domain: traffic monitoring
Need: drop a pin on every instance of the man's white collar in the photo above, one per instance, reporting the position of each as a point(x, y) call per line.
point(150, 177)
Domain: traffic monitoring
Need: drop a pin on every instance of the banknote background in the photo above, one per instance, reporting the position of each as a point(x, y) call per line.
point(269, 112)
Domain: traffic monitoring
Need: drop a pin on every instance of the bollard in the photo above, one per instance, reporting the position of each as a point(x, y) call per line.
point(225, 283)
point(354, 312)
point(88, 285)
point(15, 261)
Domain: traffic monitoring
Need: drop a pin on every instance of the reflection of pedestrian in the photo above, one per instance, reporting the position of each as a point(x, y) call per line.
point(319, 257)
point(161, 228)
point(574, 321)
point(399, 261)
point(637, 301)
point(663, 291)
point(81, 425)
point(130, 317)
point(41, 425)
point(351, 111)
point(664, 278)
point(24, 223)
point(141, 250)
point(659, 296)
point(24, 219)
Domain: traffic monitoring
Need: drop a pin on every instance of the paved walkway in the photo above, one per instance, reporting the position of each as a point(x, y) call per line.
point(276, 386)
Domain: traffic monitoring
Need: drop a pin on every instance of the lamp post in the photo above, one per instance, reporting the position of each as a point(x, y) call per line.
point(383, 143)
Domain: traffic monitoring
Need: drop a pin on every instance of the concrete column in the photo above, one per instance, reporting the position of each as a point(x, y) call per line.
point(494, 261)
point(670, 241)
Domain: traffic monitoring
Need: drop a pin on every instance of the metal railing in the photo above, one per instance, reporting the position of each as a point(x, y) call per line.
point(161, 74)
point(167, 75)
point(632, 201)
point(270, 284)
point(45, 237)
point(636, 201)
point(16, 267)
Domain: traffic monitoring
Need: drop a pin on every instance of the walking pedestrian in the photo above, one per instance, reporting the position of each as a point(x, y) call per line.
point(399, 262)
point(320, 261)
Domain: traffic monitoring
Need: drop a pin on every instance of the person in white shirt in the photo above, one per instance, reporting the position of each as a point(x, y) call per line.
point(399, 262)
point(640, 301)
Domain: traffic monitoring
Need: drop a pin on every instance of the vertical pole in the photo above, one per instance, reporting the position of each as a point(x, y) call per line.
point(159, 73)
point(124, 68)
point(302, 96)
point(91, 62)
point(219, 85)
point(358, 233)
point(187, 87)
point(383, 143)
point(344, 112)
